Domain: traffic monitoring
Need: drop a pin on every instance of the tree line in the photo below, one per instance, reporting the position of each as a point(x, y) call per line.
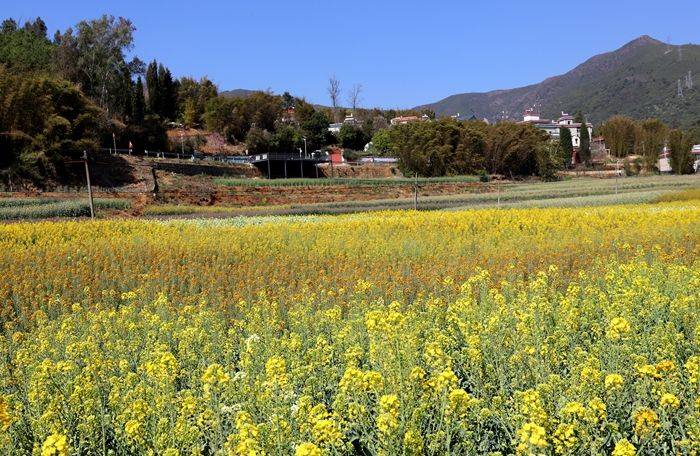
point(80, 90)
point(452, 147)
point(647, 138)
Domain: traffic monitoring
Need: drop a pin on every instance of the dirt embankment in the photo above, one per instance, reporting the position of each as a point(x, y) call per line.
point(202, 191)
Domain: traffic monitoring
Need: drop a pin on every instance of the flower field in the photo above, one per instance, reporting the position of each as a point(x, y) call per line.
point(519, 331)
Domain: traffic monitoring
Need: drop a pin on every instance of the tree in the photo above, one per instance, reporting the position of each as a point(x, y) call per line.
point(680, 144)
point(258, 141)
point(315, 128)
point(352, 137)
point(95, 58)
point(152, 85)
point(512, 148)
point(354, 96)
point(43, 121)
point(650, 140)
point(139, 103)
point(619, 133)
point(25, 49)
point(437, 148)
point(288, 101)
point(382, 143)
point(584, 148)
point(192, 98)
point(334, 94)
point(566, 145)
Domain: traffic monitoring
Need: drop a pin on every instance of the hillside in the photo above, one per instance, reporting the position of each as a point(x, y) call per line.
point(238, 93)
point(639, 80)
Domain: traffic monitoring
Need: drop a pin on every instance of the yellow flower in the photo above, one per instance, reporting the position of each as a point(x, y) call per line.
point(669, 400)
point(531, 435)
point(618, 327)
point(624, 448)
point(5, 416)
point(613, 381)
point(214, 376)
point(55, 445)
point(646, 421)
point(387, 420)
point(413, 443)
point(307, 449)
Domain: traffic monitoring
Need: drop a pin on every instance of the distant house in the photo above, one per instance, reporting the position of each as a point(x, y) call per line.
point(664, 163)
point(532, 116)
point(349, 120)
point(402, 120)
point(289, 115)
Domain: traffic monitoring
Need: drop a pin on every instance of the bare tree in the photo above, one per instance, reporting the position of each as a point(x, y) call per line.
point(354, 96)
point(334, 92)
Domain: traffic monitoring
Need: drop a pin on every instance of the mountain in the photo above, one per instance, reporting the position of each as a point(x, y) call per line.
point(238, 93)
point(640, 80)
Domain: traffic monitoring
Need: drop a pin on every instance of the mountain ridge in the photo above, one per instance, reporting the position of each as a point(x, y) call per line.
point(638, 79)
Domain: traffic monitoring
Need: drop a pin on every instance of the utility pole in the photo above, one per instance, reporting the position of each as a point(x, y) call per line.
point(114, 142)
point(89, 187)
point(301, 164)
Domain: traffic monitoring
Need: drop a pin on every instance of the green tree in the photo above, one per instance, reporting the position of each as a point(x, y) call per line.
point(352, 137)
point(584, 148)
point(619, 133)
point(139, 103)
point(258, 141)
point(315, 128)
point(566, 145)
point(680, 144)
point(382, 143)
point(167, 94)
point(193, 97)
point(43, 121)
point(95, 58)
point(650, 140)
point(153, 89)
point(25, 49)
point(512, 148)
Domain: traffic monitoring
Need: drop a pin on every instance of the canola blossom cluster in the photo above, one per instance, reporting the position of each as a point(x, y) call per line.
point(530, 332)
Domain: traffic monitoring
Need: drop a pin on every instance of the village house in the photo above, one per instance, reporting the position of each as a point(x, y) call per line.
point(532, 116)
point(401, 120)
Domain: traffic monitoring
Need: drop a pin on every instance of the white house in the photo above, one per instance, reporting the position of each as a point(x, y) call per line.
point(532, 116)
point(335, 127)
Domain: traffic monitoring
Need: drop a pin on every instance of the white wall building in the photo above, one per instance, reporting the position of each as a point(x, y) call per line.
point(552, 127)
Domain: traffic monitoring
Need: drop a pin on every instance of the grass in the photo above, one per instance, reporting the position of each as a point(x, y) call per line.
point(568, 193)
point(37, 208)
point(684, 195)
point(355, 182)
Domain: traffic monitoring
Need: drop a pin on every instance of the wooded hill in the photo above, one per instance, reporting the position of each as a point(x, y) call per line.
point(639, 80)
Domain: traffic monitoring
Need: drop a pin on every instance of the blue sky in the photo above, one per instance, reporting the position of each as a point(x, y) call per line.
point(404, 53)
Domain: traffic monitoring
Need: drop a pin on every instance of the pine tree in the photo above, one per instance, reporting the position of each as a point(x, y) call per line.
point(153, 87)
point(584, 150)
point(139, 103)
point(166, 95)
point(566, 144)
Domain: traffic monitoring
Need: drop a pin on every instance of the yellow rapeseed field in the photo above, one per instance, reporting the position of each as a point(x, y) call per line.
point(536, 332)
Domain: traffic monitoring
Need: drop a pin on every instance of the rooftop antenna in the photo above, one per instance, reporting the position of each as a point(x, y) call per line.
point(679, 94)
